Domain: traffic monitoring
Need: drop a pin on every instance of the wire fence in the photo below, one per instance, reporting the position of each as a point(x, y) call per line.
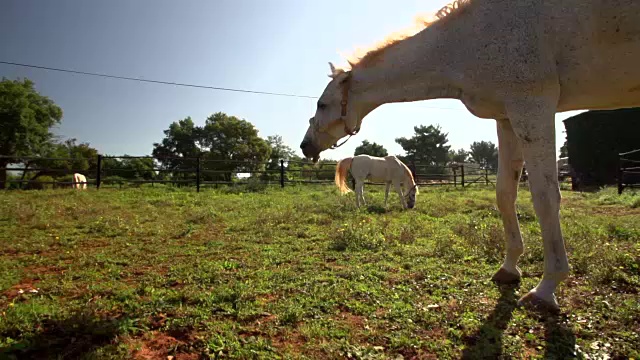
point(200, 172)
point(628, 170)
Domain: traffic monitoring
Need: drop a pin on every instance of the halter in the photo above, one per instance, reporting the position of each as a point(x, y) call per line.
point(343, 112)
point(406, 196)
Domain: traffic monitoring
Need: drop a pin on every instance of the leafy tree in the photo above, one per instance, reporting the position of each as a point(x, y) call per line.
point(459, 156)
point(180, 141)
point(234, 144)
point(129, 168)
point(428, 146)
point(564, 151)
point(372, 149)
point(25, 120)
point(485, 153)
point(304, 169)
point(279, 151)
point(225, 143)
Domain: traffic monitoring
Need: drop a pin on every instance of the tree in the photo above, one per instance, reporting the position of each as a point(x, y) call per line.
point(225, 143)
point(564, 151)
point(180, 141)
point(427, 147)
point(485, 153)
point(25, 121)
point(279, 151)
point(129, 168)
point(459, 156)
point(372, 149)
point(234, 144)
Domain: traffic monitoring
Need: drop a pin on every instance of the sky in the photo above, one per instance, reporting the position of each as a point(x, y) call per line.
point(268, 45)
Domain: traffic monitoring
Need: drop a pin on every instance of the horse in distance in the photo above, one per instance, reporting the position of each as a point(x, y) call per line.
point(388, 169)
point(79, 181)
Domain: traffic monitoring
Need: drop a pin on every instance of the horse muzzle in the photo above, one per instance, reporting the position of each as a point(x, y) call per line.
point(309, 150)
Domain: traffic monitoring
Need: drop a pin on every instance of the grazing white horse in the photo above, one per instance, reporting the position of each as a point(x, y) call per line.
point(79, 181)
point(518, 62)
point(388, 169)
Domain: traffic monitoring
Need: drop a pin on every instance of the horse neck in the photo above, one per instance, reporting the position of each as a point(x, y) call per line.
point(412, 69)
point(409, 181)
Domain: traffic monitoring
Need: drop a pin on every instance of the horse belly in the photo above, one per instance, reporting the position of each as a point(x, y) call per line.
point(597, 59)
point(378, 175)
point(608, 80)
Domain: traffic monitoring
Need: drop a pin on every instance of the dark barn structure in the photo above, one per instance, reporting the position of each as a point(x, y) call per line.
point(594, 141)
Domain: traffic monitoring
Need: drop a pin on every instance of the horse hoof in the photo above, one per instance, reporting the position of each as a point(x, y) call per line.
point(533, 302)
point(506, 277)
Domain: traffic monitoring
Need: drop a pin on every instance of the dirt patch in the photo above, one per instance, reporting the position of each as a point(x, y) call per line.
point(354, 321)
point(9, 252)
point(157, 345)
point(613, 210)
point(380, 312)
point(291, 340)
point(23, 289)
point(37, 272)
point(416, 354)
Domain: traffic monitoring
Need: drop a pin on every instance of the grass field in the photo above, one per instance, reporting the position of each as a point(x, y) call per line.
point(300, 273)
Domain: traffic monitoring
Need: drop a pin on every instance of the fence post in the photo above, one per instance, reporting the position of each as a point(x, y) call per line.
point(98, 171)
point(620, 174)
point(486, 175)
point(462, 174)
point(455, 177)
point(198, 174)
point(281, 173)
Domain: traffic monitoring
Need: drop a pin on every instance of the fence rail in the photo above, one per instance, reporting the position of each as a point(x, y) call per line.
point(198, 172)
point(628, 170)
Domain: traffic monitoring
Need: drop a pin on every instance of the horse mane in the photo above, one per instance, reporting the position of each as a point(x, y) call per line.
point(408, 172)
point(374, 54)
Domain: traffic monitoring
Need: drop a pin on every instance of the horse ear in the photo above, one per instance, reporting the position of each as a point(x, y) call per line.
point(334, 72)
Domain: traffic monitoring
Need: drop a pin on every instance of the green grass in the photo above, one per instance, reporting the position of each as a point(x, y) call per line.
point(300, 273)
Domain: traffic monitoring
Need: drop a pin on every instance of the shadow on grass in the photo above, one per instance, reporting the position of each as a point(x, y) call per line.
point(75, 337)
point(559, 338)
point(376, 209)
point(486, 343)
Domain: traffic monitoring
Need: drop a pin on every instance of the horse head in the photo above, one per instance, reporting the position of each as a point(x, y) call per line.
point(411, 196)
point(338, 114)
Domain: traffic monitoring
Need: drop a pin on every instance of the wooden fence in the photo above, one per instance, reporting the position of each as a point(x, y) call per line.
point(201, 172)
point(628, 170)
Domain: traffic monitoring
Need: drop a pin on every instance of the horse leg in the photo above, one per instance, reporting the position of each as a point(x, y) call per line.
point(361, 187)
point(357, 189)
point(386, 193)
point(399, 191)
point(509, 170)
point(533, 121)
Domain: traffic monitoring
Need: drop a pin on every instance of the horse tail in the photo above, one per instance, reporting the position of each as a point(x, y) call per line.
point(342, 167)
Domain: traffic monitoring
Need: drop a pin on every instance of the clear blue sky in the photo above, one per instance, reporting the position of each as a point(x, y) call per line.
point(268, 45)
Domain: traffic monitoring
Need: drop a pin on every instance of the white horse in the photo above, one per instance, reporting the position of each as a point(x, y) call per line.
point(388, 169)
point(79, 181)
point(518, 62)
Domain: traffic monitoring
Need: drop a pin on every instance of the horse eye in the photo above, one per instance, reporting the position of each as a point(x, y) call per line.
point(322, 106)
